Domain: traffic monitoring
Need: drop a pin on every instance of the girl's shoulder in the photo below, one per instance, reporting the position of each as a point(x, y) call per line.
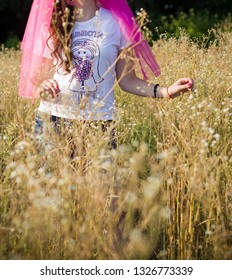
point(106, 14)
point(108, 18)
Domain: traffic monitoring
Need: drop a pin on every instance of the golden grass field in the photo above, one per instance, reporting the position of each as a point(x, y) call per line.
point(165, 193)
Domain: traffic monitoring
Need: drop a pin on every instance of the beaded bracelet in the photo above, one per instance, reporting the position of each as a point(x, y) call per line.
point(168, 93)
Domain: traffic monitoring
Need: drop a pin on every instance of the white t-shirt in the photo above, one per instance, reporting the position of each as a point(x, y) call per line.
point(87, 92)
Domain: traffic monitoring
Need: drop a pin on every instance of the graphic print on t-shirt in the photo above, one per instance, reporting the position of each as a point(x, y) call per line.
point(86, 59)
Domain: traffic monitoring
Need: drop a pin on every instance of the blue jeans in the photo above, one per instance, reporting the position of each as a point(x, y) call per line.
point(59, 123)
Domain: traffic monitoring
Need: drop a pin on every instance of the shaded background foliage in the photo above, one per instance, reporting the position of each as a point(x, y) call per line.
point(168, 15)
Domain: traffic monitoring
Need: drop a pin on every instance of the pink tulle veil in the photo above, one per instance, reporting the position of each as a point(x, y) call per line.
point(34, 61)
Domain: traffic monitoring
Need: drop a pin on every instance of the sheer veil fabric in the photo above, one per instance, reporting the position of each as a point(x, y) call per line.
point(34, 42)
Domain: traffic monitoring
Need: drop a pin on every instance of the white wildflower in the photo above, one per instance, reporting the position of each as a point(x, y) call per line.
point(131, 197)
point(136, 235)
point(165, 213)
point(216, 136)
point(151, 186)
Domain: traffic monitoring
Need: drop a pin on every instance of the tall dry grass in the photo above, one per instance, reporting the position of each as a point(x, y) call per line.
point(165, 193)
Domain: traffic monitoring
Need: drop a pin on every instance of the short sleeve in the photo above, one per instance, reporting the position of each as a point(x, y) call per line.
point(124, 43)
point(43, 45)
point(48, 49)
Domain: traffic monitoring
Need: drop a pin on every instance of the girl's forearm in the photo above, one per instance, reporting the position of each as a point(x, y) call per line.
point(140, 87)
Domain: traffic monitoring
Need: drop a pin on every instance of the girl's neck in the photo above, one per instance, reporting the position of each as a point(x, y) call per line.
point(87, 9)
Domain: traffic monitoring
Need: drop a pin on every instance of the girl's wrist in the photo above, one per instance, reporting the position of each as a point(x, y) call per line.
point(162, 92)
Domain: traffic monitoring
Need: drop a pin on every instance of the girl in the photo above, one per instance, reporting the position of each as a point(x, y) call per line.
point(88, 43)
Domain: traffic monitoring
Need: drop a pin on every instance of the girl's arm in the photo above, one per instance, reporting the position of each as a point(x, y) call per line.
point(128, 81)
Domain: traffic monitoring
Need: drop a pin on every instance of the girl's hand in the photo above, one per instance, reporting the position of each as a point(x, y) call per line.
point(48, 89)
point(180, 87)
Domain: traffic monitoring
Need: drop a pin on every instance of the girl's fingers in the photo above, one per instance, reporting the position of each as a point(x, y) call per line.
point(55, 84)
point(192, 84)
point(51, 86)
point(185, 87)
point(181, 86)
point(186, 83)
